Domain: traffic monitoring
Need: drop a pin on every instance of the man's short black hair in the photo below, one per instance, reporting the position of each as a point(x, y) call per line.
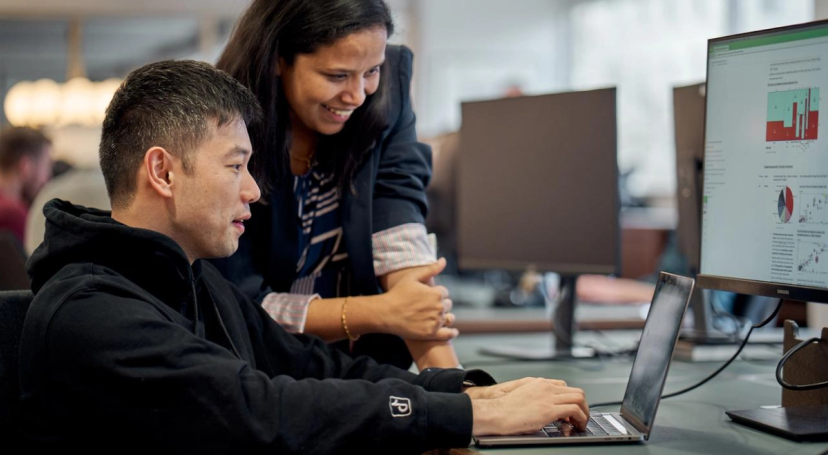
point(18, 142)
point(167, 104)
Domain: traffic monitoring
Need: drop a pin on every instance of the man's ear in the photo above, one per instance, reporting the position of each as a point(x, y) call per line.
point(159, 166)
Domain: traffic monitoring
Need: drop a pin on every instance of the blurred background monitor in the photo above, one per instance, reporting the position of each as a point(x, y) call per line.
point(688, 115)
point(538, 187)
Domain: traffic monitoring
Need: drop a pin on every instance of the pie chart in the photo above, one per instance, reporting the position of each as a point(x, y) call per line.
point(786, 204)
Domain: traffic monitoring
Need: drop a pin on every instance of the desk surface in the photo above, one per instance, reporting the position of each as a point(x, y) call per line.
point(511, 320)
point(694, 423)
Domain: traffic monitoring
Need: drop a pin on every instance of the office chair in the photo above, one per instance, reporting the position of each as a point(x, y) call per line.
point(13, 266)
point(13, 307)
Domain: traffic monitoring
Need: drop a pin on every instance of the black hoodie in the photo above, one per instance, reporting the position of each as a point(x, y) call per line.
point(128, 347)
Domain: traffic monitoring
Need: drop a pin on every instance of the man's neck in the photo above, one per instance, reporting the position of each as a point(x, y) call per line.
point(134, 216)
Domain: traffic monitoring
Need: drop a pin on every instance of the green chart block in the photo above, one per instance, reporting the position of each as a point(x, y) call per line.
point(780, 104)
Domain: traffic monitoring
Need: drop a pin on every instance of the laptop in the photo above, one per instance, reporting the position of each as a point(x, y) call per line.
point(649, 372)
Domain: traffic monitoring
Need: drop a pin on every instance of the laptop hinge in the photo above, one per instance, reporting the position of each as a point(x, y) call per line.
point(635, 422)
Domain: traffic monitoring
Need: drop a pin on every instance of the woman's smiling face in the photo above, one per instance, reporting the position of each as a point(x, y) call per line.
point(325, 87)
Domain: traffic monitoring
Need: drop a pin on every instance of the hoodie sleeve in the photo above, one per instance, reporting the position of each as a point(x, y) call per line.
point(301, 355)
point(118, 366)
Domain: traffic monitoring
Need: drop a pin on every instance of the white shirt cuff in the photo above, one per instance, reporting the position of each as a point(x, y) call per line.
point(401, 247)
point(289, 310)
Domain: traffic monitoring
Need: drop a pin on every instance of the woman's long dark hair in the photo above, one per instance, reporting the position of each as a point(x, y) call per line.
point(274, 29)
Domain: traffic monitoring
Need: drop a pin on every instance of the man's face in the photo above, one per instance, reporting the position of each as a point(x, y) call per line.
point(212, 201)
point(38, 172)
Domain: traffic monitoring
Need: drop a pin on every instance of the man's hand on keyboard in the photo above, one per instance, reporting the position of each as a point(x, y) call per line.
point(498, 390)
point(526, 406)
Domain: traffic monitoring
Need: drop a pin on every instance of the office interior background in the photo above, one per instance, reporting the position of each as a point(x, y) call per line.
point(464, 50)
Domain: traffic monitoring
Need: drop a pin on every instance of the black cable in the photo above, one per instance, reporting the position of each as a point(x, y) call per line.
point(781, 365)
point(719, 370)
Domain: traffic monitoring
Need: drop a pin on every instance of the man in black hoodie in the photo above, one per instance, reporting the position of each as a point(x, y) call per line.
point(133, 343)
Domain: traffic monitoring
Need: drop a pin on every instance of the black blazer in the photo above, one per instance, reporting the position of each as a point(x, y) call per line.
point(389, 191)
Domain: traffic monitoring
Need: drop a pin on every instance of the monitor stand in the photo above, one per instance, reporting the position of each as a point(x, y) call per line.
point(803, 415)
point(704, 331)
point(563, 328)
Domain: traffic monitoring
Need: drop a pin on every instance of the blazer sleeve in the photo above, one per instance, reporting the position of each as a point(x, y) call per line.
point(404, 168)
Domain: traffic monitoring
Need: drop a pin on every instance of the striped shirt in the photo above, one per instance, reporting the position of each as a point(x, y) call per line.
point(323, 268)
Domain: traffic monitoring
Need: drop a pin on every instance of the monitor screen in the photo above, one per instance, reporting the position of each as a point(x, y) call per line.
point(765, 199)
point(538, 183)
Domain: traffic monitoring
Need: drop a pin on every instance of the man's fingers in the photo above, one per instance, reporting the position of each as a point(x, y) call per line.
point(564, 390)
point(576, 415)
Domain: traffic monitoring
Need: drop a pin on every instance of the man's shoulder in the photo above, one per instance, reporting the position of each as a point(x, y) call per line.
point(91, 283)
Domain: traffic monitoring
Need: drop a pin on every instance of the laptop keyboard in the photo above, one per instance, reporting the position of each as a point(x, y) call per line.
point(598, 426)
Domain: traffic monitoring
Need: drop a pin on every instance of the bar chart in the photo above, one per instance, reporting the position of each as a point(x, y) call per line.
point(793, 115)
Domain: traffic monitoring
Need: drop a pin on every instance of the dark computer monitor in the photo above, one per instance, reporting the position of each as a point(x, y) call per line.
point(688, 118)
point(538, 186)
point(764, 212)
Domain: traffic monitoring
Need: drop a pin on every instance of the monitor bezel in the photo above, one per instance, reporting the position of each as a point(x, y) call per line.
point(744, 285)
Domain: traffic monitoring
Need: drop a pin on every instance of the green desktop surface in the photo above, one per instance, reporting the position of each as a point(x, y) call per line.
point(693, 423)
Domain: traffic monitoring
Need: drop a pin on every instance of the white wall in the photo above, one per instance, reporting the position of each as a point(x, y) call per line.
point(473, 49)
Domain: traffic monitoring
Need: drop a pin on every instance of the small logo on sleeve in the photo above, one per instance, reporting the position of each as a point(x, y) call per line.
point(400, 407)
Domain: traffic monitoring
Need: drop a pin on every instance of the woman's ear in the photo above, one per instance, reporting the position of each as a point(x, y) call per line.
point(158, 165)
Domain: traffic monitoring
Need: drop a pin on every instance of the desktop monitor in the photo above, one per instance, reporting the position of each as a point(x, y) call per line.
point(538, 186)
point(765, 198)
point(765, 192)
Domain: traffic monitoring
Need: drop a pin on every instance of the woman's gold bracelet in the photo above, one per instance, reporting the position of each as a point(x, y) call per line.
point(345, 322)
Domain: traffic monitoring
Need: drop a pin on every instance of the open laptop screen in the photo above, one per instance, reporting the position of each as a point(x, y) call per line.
point(652, 360)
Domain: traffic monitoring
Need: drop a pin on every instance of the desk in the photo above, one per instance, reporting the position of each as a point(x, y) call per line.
point(587, 317)
point(693, 423)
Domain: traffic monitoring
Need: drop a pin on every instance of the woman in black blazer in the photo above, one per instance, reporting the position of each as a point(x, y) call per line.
point(338, 248)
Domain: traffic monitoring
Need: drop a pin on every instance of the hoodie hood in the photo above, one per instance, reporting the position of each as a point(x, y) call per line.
point(77, 235)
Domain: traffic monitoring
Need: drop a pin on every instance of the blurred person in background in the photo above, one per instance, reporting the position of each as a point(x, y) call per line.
point(79, 185)
point(25, 166)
